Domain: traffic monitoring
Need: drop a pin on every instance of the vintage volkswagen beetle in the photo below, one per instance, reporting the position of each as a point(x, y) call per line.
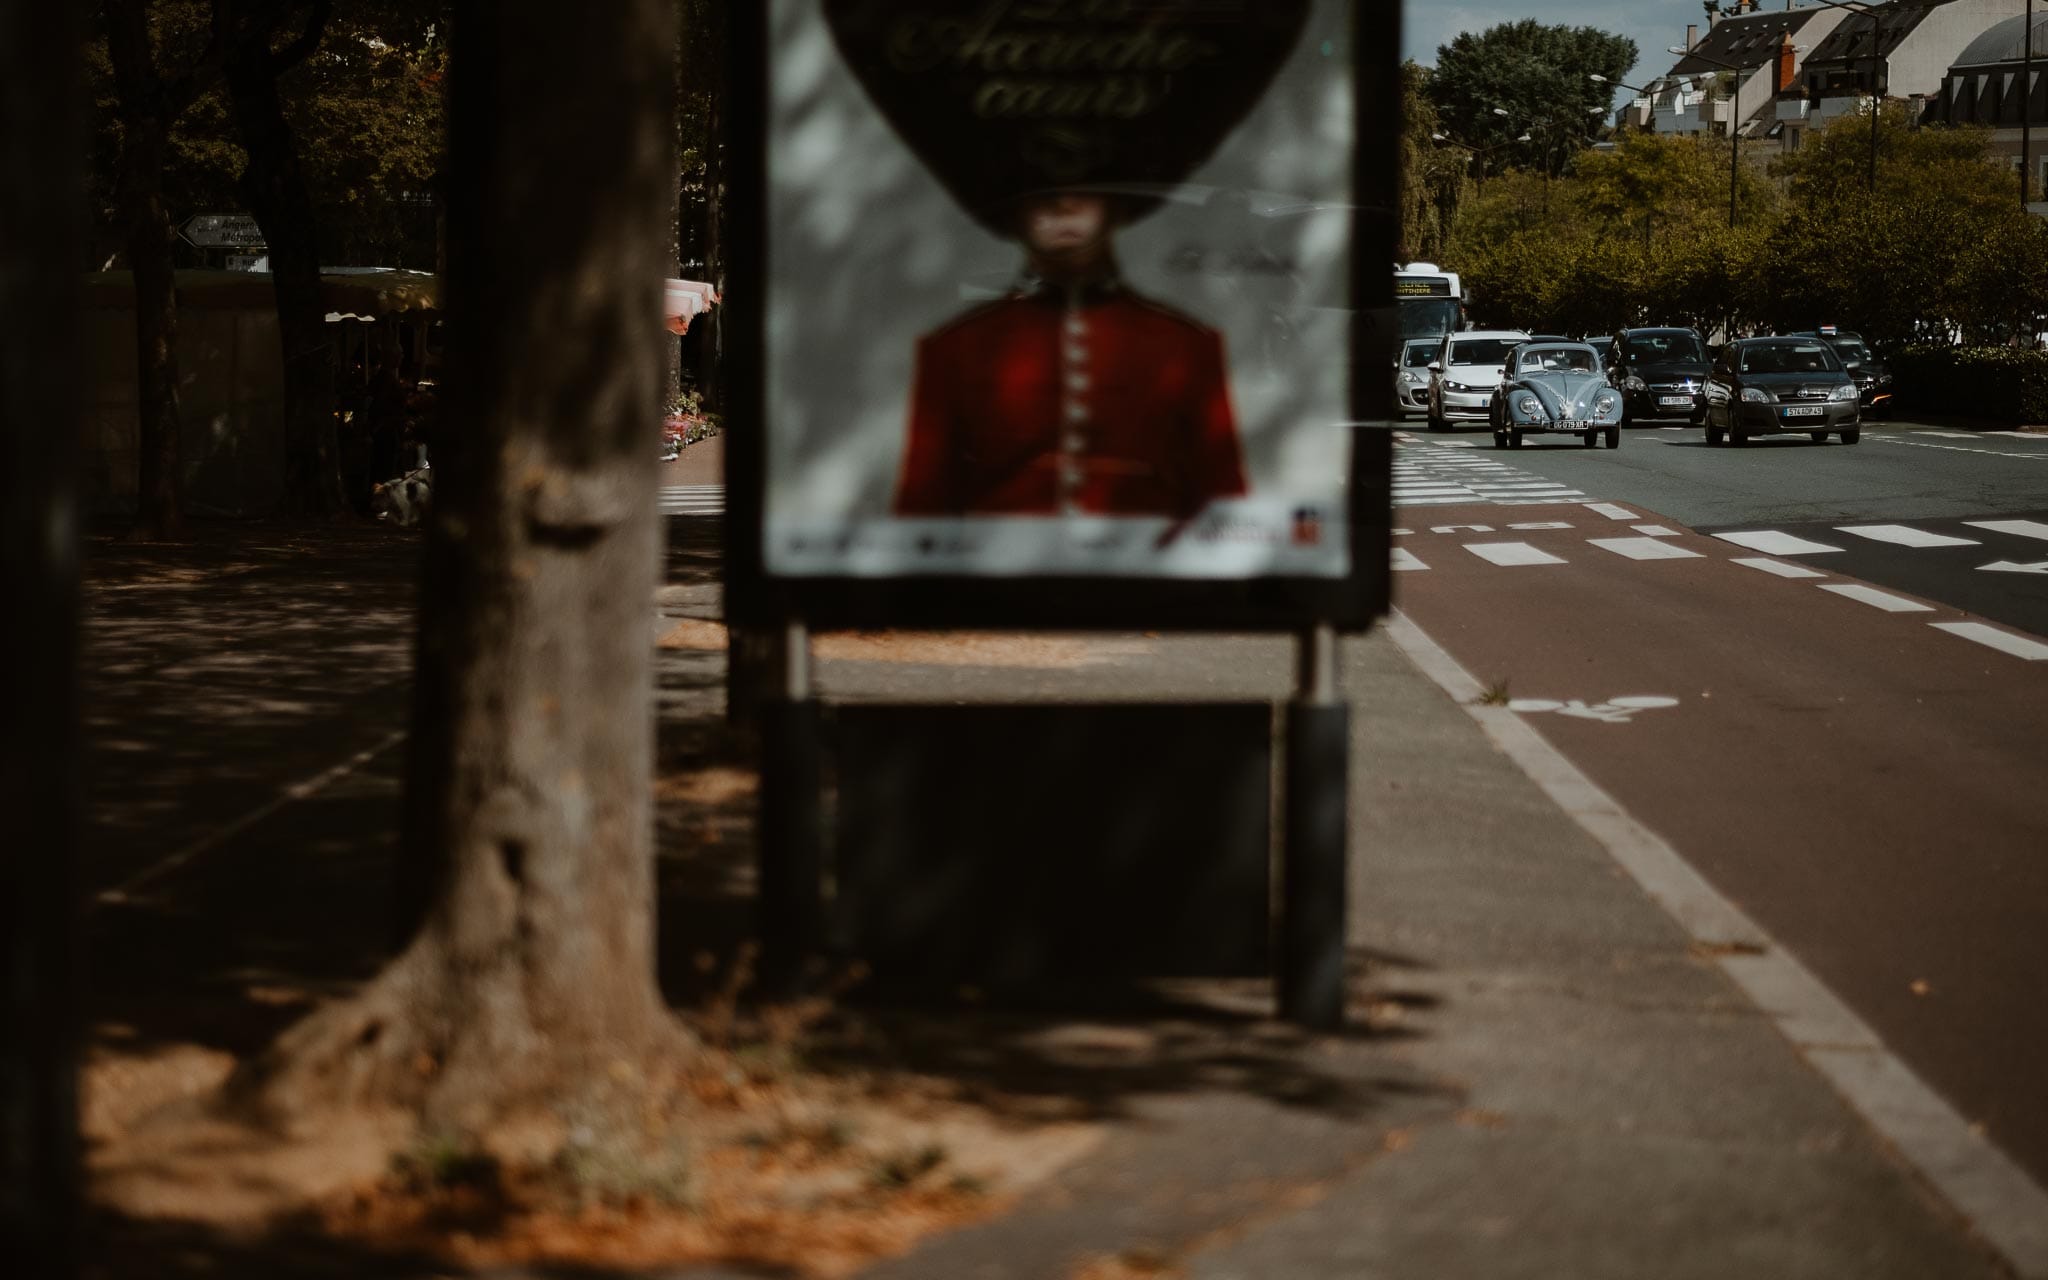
point(1556, 386)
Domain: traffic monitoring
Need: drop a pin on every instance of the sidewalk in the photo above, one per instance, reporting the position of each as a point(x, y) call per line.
point(1543, 1079)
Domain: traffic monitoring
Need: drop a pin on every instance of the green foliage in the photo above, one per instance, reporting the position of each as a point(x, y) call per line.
point(2006, 383)
point(1541, 76)
point(1433, 179)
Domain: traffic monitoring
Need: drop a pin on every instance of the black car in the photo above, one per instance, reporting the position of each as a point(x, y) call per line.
point(1763, 386)
point(1662, 373)
point(1873, 378)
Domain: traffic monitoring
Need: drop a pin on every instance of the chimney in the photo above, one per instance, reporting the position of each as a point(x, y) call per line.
point(1692, 35)
point(1787, 56)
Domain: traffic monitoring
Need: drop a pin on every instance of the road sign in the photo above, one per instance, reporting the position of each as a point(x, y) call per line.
point(245, 261)
point(222, 230)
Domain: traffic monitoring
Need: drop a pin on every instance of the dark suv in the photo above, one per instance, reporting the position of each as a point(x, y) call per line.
point(1873, 379)
point(1662, 373)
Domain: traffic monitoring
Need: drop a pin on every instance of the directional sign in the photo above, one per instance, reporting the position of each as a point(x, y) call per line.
point(2007, 566)
point(222, 230)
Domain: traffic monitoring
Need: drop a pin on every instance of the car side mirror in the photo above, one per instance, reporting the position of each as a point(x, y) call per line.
point(1436, 366)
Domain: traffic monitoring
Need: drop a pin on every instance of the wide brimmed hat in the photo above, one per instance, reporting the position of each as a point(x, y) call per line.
point(1005, 99)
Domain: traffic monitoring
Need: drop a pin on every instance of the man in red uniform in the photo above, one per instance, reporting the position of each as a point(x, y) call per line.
point(1073, 395)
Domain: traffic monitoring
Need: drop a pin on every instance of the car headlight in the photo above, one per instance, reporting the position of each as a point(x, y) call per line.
point(1633, 383)
point(1411, 377)
point(1755, 395)
point(1603, 404)
point(1847, 391)
point(1529, 406)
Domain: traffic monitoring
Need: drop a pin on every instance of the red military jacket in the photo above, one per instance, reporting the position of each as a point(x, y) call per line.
point(1049, 402)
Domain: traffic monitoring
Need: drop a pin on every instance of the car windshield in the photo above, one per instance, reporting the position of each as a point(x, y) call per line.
point(1665, 348)
point(1417, 355)
point(1790, 357)
point(1483, 350)
point(1541, 359)
point(1851, 349)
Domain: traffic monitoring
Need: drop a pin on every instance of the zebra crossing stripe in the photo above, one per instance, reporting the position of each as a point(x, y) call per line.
point(1778, 567)
point(1611, 511)
point(1876, 599)
point(1773, 543)
point(1644, 549)
point(1512, 553)
point(2022, 528)
point(1992, 637)
point(1904, 535)
point(1404, 559)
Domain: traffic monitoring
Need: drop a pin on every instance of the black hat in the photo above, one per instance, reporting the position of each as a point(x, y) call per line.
point(1002, 99)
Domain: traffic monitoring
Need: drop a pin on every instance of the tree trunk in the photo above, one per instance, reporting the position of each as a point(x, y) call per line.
point(41, 146)
point(159, 509)
point(712, 57)
point(274, 185)
point(528, 843)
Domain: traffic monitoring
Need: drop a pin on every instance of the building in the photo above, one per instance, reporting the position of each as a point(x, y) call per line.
point(1901, 50)
point(1747, 57)
point(1983, 87)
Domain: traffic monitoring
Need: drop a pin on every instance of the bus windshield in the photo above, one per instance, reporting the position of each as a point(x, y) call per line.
point(1428, 317)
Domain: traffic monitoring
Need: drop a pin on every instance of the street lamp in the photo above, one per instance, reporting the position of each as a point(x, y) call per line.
point(1734, 117)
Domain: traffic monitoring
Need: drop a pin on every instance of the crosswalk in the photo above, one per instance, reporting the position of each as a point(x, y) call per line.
point(693, 500)
point(1577, 538)
point(1428, 476)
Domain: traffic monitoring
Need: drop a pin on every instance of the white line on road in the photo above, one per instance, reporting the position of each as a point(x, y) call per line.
point(2003, 641)
point(1404, 559)
point(1644, 549)
point(2024, 435)
point(1778, 567)
point(1656, 531)
point(1511, 553)
point(1538, 525)
point(1773, 543)
point(1904, 535)
point(1611, 511)
point(2006, 1207)
point(2023, 528)
point(1876, 599)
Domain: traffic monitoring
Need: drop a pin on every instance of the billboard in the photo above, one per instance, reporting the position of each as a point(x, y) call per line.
point(1059, 310)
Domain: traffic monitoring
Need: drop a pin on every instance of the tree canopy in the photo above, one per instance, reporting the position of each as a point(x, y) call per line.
point(1541, 77)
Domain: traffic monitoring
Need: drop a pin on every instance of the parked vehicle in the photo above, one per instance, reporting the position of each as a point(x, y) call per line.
point(1661, 373)
point(1411, 375)
point(1556, 387)
point(1466, 373)
point(1873, 377)
point(1764, 386)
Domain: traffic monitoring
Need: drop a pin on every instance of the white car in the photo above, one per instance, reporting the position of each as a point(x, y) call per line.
point(1411, 375)
point(1466, 373)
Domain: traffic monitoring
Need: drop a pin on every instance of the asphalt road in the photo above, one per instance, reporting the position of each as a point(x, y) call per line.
point(1791, 662)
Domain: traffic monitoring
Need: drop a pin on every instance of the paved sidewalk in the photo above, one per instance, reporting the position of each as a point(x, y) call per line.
point(1549, 1082)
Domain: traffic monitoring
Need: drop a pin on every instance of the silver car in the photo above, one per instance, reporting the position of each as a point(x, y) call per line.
point(1556, 387)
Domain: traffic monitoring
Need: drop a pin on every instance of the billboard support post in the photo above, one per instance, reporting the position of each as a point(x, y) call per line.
point(1314, 879)
point(791, 865)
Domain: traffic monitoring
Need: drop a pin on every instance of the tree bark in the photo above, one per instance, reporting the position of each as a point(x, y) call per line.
point(274, 186)
point(528, 842)
point(41, 145)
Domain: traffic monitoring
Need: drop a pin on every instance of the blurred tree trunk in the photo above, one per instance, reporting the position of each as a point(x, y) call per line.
point(274, 186)
point(709, 43)
point(150, 104)
point(528, 850)
point(41, 148)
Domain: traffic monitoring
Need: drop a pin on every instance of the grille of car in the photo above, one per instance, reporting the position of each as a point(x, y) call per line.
point(1688, 385)
point(1804, 393)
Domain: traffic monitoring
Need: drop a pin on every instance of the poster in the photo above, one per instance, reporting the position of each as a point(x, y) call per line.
point(1058, 289)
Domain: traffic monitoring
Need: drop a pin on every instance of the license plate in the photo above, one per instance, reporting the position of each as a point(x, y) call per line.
point(1804, 411)
point(1674, 400)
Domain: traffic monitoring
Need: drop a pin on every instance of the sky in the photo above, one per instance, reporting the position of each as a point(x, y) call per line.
point(1653, 24)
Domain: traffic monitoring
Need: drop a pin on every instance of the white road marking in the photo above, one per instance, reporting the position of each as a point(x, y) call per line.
point(2024, 435)
point(1904, 535)
point(1876, 599)
point(1402, 533)
point(1511, 553)
point(1778, 567)
point(1453, 528)
point(2010, 566)
point(2023, 528)
point(1539, 525)
point(1405, 559)
point(692, 500)
point(1773, 543)
point(1644, 549)
point(1611, 511)
point(2005, 1206)
point(1949, 435)
point(1656, 531)
point(1451, 500)
point(1613, 711)
point(1992, 637)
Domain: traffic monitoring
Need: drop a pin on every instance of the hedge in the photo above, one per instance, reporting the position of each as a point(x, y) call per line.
point(2009, 384)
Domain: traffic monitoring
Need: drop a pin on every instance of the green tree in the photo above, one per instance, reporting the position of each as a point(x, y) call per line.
point(1541, 77)
point(1433, 178)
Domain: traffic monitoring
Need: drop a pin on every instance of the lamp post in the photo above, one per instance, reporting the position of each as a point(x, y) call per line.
point(2027, 104)
point(1877, 64)
point(1734, 118)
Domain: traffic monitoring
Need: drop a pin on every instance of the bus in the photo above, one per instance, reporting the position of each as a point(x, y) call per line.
point(1430, 301)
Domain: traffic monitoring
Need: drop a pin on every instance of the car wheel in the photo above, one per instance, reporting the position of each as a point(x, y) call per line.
point(1500, 439)
point(1614, 437)
point(1819, 437)
point(1852, 435)
point(1514, 439)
